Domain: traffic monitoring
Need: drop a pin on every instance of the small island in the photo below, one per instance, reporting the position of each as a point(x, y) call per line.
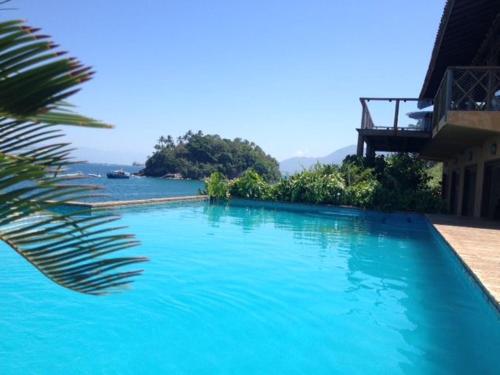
point(197, 155)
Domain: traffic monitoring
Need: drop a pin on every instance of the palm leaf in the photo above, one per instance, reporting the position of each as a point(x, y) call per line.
point(73, 249)
point(34, 78)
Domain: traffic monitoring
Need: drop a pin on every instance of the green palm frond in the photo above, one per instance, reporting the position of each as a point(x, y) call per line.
point(74, 249)
point(35, 79)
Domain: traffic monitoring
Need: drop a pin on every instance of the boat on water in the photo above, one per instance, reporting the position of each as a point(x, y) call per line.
point(172, 176)
point(118, 174)
point(72, 175)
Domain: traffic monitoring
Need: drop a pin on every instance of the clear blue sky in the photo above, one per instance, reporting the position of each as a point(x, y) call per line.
point(284, 74)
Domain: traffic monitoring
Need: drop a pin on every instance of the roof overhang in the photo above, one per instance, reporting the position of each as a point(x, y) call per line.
point(464, 25)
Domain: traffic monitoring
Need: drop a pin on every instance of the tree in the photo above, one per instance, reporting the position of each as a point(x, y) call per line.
point(71, 248)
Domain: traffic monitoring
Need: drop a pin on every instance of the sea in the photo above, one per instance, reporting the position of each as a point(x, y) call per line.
point(135, 187)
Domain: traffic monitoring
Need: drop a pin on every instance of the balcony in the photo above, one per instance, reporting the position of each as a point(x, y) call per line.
point(399, 126)
point(466, 110)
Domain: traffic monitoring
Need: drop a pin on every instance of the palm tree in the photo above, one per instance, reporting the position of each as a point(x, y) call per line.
point(73, 249)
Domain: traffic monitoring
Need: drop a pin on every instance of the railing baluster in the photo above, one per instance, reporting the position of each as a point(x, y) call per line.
point(449, 90)
point(491, 90)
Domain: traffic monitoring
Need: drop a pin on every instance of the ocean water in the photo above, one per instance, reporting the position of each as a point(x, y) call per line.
point(133, 188)
point(248, 290)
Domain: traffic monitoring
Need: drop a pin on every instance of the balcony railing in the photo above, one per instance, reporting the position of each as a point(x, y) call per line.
point(415, 120)
point(467, 89)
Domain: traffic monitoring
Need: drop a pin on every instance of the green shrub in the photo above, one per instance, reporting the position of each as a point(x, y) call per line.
point(322, 184)
point(394, 183)
point(361, 183)
point(250, 185)
point(435, 172)
point(429, 200)
point(217, 187)
point(362, 193)
point(405, 172)
point(281, 191)
point(387, 200)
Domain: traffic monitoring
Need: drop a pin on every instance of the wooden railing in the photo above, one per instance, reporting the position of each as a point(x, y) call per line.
point(472, 88)
point(368, 123)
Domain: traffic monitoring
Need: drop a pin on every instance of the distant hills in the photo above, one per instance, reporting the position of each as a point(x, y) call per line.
point(297, 164)
point(287, 166)
point(122, 157)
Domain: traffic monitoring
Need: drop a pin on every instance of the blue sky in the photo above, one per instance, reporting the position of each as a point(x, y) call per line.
point(284, 74)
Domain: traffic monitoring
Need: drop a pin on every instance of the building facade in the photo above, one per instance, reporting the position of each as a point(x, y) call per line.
point(458, 121)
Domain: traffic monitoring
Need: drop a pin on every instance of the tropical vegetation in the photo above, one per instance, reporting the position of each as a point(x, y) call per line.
point(198, 155)
point(397, 182)
point(72, 248)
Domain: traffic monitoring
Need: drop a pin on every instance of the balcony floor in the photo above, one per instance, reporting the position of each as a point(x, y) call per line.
point(389, 140)
point(461, 130)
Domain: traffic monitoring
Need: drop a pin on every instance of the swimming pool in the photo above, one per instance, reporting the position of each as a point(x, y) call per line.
point(251, 290)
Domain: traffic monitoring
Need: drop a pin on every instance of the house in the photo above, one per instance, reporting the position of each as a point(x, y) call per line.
point(458, 117)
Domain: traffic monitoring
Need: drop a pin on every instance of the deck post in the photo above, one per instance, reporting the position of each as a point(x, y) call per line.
point(396, 115)
point(370, 151)
point(361, 141)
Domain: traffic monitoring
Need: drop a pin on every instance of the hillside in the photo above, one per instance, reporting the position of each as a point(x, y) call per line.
point(297, 164)
point(197, 155)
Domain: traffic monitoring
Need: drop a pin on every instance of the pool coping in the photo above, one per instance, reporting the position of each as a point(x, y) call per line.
point(136, 202)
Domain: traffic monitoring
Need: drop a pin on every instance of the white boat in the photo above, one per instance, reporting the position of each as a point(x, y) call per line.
point(70, 175)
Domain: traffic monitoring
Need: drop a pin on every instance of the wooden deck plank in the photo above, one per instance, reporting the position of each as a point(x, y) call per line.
point(477, 243)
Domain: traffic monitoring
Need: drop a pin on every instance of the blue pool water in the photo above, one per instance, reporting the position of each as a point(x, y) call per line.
point(248, 290)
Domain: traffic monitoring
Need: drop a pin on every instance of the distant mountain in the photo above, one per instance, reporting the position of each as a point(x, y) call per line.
point(296, 164)
point(93, 155)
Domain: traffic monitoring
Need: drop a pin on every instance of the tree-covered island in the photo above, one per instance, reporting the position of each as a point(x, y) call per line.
point(197, 155)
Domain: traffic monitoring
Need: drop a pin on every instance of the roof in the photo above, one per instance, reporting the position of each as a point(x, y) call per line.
point(464, 25)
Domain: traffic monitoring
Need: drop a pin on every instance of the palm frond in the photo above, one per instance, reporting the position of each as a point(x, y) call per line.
point(74, 249)
point(71, 249)
point(35, 79)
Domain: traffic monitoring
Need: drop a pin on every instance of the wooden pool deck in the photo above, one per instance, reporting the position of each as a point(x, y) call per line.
point(477, 244)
